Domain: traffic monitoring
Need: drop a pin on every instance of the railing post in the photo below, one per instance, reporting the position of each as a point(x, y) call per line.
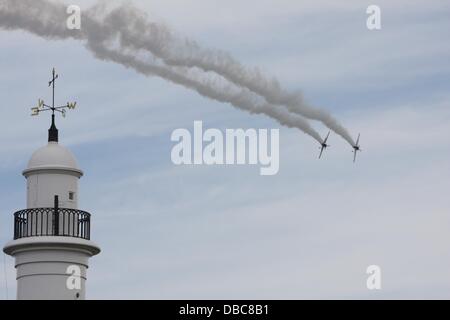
point(16, 225)
point(56, 212)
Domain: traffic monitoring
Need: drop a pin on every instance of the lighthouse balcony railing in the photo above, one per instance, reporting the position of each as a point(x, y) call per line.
point(63, 222)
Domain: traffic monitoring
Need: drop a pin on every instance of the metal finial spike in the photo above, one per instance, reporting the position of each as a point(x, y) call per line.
point(53, 131)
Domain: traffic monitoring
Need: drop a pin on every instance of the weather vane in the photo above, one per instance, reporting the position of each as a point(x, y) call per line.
point(44, 107)
point(53, 131)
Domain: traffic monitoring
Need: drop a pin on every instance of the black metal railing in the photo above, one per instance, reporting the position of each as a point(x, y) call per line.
point(52, 222)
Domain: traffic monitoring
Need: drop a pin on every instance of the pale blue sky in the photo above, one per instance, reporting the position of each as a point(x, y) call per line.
point(227, 232)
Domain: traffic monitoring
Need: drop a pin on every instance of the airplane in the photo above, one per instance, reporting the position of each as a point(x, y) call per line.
point(324, 144)
point(356, 148)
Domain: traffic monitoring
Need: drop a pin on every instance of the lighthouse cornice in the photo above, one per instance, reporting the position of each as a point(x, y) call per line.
point(53, 169)
point(51, 243)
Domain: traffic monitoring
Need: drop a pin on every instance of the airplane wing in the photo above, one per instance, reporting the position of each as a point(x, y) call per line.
point(325, 141)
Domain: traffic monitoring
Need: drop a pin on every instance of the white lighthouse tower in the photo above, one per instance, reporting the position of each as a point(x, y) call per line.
point(52, 243)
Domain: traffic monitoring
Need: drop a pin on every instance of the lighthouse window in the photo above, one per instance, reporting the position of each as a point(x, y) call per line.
point(71, 195)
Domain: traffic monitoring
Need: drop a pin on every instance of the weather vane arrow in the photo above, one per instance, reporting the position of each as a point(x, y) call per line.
point(42, 106)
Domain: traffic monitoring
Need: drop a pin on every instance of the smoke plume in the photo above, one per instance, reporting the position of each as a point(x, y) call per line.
point(127, 36)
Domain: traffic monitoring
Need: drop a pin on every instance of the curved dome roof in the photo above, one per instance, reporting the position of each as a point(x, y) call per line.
point(53, 156)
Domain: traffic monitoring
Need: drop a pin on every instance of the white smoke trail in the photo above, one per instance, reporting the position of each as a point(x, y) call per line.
point(48, 19)
point(133, 29)
point(242, 100)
